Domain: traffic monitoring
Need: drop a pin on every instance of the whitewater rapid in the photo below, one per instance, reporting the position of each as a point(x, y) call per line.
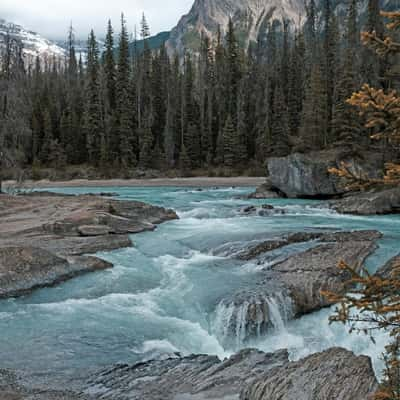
point(170, 292)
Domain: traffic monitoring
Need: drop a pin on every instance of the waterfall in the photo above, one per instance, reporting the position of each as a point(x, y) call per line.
point(236, 322)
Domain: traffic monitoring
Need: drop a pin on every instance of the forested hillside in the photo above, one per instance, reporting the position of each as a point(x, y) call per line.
point(225, 107)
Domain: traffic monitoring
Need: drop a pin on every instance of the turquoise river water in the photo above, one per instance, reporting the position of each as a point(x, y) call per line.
point(163, 294)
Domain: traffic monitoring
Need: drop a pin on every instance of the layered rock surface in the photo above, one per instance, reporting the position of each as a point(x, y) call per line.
point(291, 287)
point(334, 374)
point(374, 202)
point(247, 375)
point(43, 236)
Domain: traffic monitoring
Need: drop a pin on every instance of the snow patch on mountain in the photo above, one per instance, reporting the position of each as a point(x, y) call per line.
point(33, 44)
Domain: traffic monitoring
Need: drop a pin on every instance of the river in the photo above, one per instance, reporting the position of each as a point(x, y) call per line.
point(164, 294)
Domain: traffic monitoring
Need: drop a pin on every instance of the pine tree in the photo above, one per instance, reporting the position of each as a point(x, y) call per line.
point(109, 68)
point(346, 124)
point(127, 151)
point(233, 71)
point(93, 118)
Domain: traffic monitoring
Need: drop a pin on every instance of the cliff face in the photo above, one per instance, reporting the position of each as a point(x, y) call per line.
point(250, 18)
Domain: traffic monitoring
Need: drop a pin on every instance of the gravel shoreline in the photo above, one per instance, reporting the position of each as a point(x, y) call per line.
point(159, 182)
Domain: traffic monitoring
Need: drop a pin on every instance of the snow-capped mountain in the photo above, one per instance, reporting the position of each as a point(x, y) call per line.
point(33, 44)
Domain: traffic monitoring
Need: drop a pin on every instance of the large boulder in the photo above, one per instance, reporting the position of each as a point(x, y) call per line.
point(374, 202)
point(335, 374)
point(307, 175)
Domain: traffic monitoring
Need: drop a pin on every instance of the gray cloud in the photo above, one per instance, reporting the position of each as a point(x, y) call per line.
point(51, 18)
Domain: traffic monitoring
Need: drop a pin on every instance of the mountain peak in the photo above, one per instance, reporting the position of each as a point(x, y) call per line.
point(250, 17)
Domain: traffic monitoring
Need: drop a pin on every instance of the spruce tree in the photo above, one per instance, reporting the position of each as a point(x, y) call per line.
point(346, 124)
point(126, 151)
point(93, 118)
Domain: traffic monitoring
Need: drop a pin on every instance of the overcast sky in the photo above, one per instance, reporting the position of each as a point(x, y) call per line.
point(51, 18)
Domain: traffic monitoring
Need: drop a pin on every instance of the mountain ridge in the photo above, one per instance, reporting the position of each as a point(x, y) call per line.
point(34, 45)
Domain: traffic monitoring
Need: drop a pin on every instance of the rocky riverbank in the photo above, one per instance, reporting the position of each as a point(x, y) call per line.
point(45, 238)
point(247, 375)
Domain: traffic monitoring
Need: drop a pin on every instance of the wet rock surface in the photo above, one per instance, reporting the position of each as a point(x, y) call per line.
point(196, 377)
point(42, 235)
point(292, 287)
point(387, 270)
point(375, 202)
point(12, 387)
point(248, 375)
point(333, 374)
point(265, 191)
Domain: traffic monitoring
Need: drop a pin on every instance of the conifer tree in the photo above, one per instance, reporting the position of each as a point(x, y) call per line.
point(346, 124)
point(93, 118)
point(109, 68)
point(126, 151)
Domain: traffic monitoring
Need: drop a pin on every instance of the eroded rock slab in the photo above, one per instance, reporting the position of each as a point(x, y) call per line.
point(11, 388)
point(376, 202)
point(292, 287)
point(335, 374)
point(387, 270)
point(196, 377)
point(42, 236)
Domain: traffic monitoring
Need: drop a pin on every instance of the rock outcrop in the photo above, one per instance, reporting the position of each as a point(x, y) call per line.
point(306, 175)
point(250, 17)
point(23, 269)
point(386, 271)
point(264, 191)
point(12, 388)
point(335, 374)
point(43, 237)
point(248, 375)
point(374, 202)
point(196, 377)
point(292, 287)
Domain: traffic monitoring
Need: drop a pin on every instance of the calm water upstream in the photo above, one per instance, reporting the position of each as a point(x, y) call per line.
point(163, 294)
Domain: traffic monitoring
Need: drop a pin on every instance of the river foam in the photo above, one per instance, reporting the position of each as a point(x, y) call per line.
point(172, 292)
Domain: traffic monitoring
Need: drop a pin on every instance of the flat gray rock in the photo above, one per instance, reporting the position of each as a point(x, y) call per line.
point(42, 236)
point(335, 374)
point(375, 202)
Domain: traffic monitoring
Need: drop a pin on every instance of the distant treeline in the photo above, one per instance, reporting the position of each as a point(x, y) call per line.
point(223, 106)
